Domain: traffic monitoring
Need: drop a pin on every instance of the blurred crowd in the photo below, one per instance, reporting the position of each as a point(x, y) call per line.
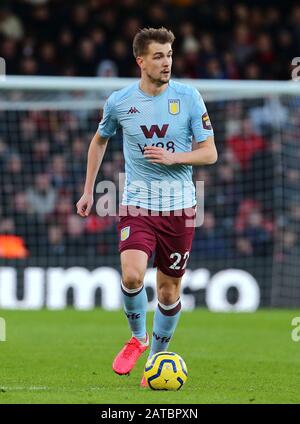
point(214, 39)
point(251, 201)
point(42, 176)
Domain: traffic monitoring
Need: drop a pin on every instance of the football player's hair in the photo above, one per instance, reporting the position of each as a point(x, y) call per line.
point(146, 36)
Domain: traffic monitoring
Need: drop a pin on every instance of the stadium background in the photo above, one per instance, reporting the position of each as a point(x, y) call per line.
point(252, 205)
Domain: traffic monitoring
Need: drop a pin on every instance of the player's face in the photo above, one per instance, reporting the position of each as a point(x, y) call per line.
point(157, 63)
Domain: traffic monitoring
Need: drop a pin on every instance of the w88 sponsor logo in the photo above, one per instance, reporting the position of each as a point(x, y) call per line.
point(168, 146)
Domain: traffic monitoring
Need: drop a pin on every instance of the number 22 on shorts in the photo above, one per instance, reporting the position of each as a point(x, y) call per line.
point(177, 259)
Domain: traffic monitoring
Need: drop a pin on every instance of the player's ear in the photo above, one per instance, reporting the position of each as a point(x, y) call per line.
point(139, 61)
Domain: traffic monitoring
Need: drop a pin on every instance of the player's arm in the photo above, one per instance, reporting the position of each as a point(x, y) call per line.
point(95, 156)
point(107, 128)
point(205, 153)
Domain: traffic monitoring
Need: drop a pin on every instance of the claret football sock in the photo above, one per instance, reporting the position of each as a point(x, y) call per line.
point(165, 321)
point(135, 307)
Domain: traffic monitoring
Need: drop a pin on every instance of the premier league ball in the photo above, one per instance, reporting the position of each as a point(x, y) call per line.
point(165, 371)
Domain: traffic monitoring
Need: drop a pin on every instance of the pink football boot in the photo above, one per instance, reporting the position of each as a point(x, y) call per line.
point(128, 356)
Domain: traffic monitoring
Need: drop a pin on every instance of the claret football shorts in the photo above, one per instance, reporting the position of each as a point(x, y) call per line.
point(168, 237)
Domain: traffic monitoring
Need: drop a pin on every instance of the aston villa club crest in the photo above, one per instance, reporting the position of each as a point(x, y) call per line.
point(125, 232)
point(174, 107)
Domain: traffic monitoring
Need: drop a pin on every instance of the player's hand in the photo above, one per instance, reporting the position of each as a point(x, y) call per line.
point(159, 155)
point(84, 204)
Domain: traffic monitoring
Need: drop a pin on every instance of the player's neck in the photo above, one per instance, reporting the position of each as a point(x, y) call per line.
point(150, 88)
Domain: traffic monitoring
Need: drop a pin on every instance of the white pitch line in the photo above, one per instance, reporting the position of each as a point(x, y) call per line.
point(30, 388)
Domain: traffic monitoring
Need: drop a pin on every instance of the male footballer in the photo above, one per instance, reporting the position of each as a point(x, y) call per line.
point(159, 118)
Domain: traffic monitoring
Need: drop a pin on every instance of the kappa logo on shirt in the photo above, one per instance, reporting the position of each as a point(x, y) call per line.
point(125, 233)
point(133, 110)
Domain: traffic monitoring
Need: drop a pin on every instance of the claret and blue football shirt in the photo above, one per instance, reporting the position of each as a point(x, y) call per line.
point(169, 120)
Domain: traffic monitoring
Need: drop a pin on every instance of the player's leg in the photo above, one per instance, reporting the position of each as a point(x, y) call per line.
point(137, 242)
point(134, 264)
point(166, 315)
point(167, 312)
point(174, 241)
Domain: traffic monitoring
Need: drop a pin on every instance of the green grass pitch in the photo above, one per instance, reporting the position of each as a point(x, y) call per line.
point(66, 356)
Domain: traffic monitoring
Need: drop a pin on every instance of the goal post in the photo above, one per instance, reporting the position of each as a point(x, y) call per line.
point(251, 195)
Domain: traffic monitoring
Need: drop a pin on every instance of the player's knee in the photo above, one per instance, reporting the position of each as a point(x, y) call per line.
point(132, 279)
point(168, 295)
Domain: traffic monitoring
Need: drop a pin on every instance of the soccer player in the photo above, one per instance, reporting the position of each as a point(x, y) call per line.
point(159, 118)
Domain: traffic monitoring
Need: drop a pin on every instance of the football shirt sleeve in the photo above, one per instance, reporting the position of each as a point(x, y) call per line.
point(199, 120)
point(109, 123)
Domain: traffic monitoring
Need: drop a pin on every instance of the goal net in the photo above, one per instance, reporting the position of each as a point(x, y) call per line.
point(251, 195)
